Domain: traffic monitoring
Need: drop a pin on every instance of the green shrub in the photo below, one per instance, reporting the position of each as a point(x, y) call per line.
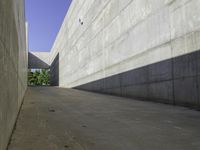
point(38, 78)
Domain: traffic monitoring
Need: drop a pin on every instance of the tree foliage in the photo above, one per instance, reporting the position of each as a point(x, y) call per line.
point(39, 78)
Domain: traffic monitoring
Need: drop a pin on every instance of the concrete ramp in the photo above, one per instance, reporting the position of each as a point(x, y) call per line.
point(66, 119)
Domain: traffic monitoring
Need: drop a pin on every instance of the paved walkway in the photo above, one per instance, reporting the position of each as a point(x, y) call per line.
point(65, 119)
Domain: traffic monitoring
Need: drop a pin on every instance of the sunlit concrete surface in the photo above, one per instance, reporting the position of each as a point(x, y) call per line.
point(145, 49)
point(60, 119)
point(13, 65)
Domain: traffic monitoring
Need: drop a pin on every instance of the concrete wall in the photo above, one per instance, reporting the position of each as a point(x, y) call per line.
point(54, 72)
point(135, 48)
point(13, 65)
point(38, 60)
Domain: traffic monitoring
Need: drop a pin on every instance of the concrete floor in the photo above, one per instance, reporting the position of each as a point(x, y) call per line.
point(65, 119)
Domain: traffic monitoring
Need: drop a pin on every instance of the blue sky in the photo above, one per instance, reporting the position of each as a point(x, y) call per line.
point(45, 18)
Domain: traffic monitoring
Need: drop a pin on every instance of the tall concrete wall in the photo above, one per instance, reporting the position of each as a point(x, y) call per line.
point(137, 48)
point(13, 65)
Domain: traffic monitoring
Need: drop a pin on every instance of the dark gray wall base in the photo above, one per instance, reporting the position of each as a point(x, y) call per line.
point(174, 81)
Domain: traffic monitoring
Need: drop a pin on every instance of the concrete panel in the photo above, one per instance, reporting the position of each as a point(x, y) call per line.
point(44, 56)
point(135, 91)
point(198, 63)
point(186, 91)
point(198, 88)
point(116, 37)
point(13, 65)
point(113, 91)
point(137, 76)
point(159, 72)
point(186, 65)
point(54, 72)
point(38, 60)
point(170, 81)
point(161, 92)
point(112, 82)
point(135, 47)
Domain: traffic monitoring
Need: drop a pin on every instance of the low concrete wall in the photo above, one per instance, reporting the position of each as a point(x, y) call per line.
point(104, 45)
point(38, 60)
point(13, 65)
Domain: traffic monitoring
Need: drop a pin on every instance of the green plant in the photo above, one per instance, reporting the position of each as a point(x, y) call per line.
point(39, 77)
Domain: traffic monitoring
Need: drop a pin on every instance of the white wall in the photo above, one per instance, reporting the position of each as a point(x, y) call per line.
point(120, 35)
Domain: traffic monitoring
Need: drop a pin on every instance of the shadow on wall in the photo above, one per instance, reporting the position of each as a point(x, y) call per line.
point(172, 81)
point(34, 62)
point(54, 72)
